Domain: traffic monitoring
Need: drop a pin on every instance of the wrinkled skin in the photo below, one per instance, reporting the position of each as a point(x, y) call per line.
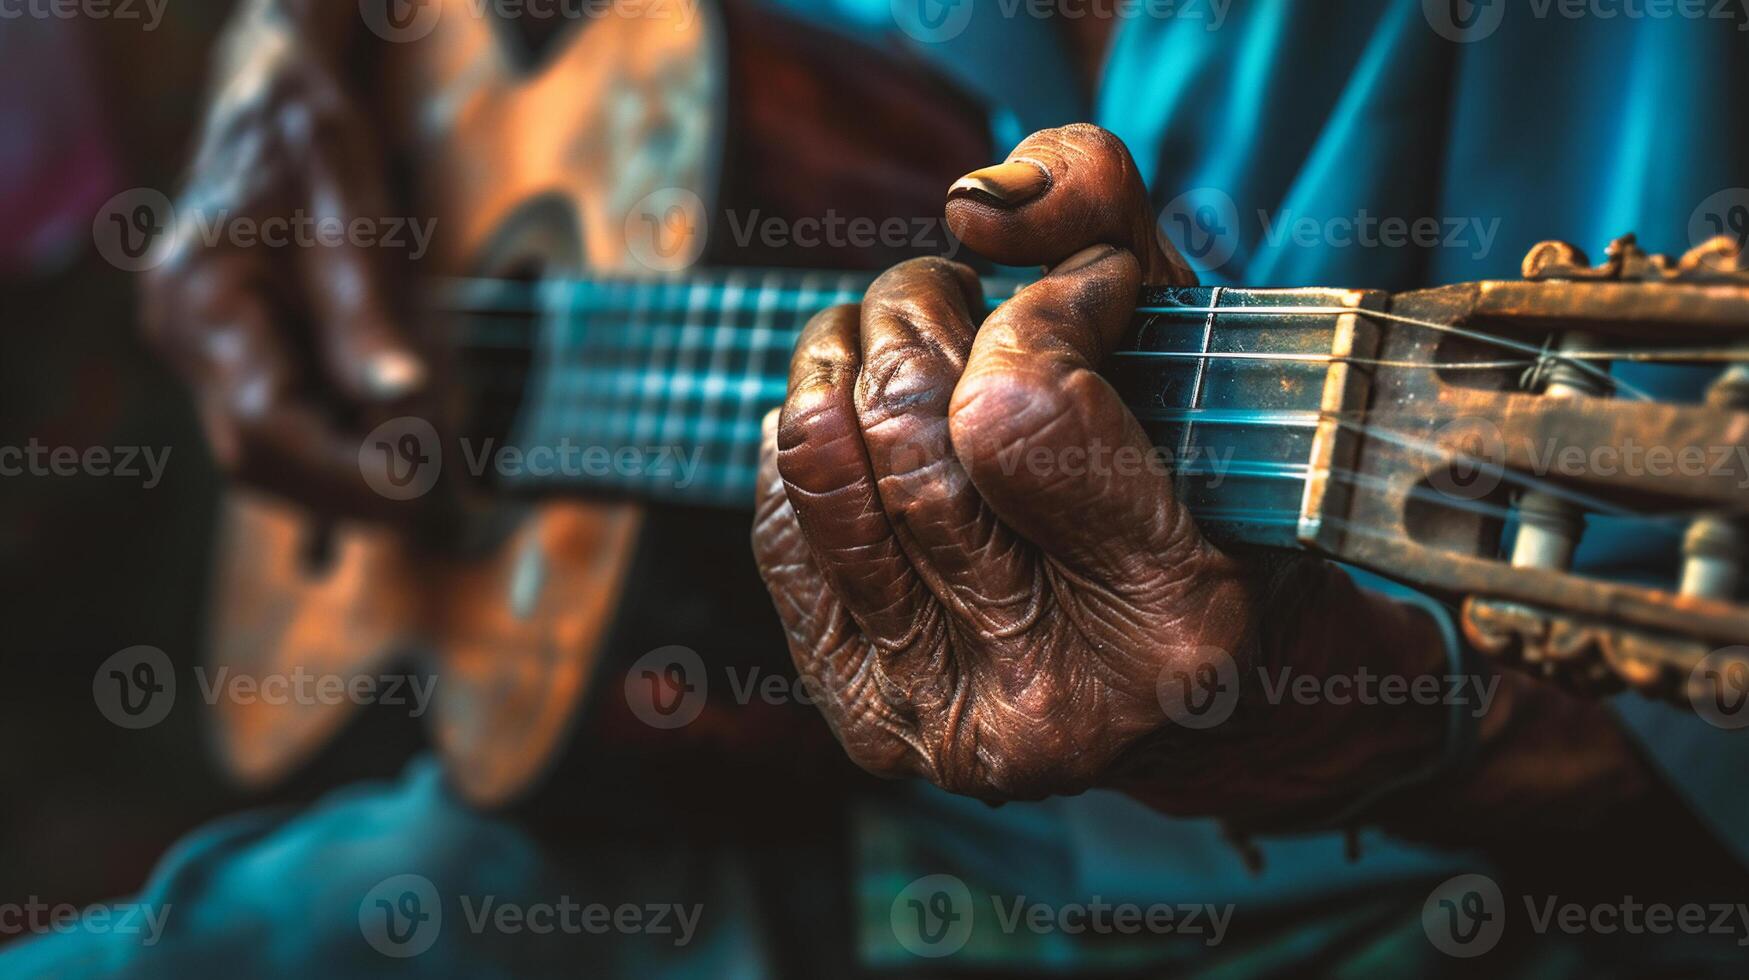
point(1002, 629)
point(999, 632)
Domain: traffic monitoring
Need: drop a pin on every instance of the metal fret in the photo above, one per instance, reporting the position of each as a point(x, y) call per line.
point(765, 309)
point(1239, 427)
point(1202, 364)
point(653, 379)
point(624, 383)
point(714, 381)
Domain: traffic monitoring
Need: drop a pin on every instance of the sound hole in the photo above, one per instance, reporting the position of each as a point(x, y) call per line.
point(496, 354)
point(537, 243)
point(530, 32)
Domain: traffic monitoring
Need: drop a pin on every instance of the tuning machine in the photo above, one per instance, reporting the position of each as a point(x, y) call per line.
point(1493, 416)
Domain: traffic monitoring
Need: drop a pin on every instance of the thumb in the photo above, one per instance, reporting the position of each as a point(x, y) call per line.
point(1061, 191)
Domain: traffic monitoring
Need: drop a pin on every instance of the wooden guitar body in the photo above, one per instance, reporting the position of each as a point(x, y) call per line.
point(528, 168)
point(602, 149)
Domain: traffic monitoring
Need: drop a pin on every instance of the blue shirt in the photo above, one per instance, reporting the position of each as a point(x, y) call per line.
point(1249, 121)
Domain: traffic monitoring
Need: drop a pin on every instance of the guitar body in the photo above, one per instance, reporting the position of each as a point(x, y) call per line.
point(600, 150)
point(618, 145)
point(526, 169)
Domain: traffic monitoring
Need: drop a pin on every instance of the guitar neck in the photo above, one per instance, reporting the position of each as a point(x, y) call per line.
point(656, 387)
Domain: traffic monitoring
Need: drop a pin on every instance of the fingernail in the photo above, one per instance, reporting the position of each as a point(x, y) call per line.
point(393, 374)
point(1006, 184)
point(1091, 255)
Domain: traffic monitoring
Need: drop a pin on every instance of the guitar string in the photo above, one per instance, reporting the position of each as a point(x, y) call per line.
point(1373, 426)
point(1363, 422)
point(482, 342)
point(1672, 522)
point(707, 432)
point(1580, 360)
point(467, 288)
point(1671, 525)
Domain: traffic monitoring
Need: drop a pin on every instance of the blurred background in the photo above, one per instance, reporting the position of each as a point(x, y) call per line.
point(92, 107)
point(91, 565)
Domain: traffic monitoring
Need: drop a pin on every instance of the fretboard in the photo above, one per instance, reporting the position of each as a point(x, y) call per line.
point(656, 387)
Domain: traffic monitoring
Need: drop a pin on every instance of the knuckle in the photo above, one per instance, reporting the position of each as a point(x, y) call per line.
point(1087, 137)
point(1072, 145)
point(994, 409)
point(826, 346)
point(307, 111)
point(929, 297)
point(903, 379)
point(819, 448)
point(877, 752)
point(1049, 765)
point(922, 273)
point(175, 297)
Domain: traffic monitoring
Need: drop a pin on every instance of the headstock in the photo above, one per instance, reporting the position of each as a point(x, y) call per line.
point(1490, 406)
